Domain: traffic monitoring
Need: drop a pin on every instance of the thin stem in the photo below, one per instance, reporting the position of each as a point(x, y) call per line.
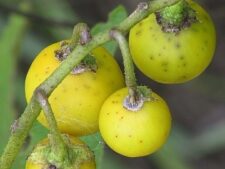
point(33, 108)
point(134, 101)
point(127, 60)
point(58, 147)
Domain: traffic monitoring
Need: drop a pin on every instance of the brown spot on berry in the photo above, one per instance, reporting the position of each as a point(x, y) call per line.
point(114, 102)
point(116, 136)
point(181, 57)
point(138, 33)
point(86, 86)
point(165, 70)
point(122, 117)
point(140, 141)
point(164, 64)
point(140, 24)
point(177, 45)
point(184, 77)
point(151, 58)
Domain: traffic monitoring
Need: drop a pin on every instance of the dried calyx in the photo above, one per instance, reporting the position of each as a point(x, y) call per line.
point(176, 17)
point(137, 97)
point(86, 65)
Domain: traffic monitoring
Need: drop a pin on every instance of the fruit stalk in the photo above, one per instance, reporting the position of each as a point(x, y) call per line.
point(33, 108)
point(58, 146)
point(127, 60)
point(128, 64)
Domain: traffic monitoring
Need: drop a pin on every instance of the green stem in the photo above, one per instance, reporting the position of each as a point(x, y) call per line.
point(127, 61)
point(33, 108)
point(58, 147)
point(19, 133)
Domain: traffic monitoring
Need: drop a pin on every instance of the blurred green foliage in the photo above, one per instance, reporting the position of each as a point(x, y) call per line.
point(10, 44)
point(20, 41)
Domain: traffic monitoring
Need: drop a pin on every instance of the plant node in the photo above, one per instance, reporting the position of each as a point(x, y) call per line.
point(86, 65)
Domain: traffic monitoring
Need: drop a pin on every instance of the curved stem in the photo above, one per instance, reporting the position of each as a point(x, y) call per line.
point(127, 60)
point(33, 108)
point(58, 147)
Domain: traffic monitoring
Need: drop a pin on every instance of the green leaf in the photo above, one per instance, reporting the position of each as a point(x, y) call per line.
point(96, 144)
point(114, 18)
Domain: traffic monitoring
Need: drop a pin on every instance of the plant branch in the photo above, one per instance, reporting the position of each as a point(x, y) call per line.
point(19, 133)
point(33, 108)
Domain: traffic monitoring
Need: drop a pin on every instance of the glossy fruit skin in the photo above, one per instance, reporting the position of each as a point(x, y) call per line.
point(134, 134)
point(37, 164)
point(77, 100)
point(169, 57)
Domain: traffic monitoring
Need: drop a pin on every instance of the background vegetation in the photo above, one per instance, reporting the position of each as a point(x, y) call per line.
point(198, 107)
